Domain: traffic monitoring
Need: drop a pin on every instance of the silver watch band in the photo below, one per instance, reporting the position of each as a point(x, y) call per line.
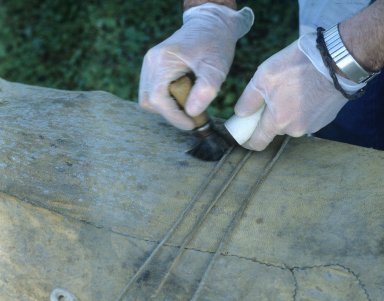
point(343, 59)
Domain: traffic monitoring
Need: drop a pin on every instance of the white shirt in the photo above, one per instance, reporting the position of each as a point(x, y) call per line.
point(326, 13)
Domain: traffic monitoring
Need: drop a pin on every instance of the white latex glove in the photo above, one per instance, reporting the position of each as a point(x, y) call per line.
point(205, 45)
point(298, 98)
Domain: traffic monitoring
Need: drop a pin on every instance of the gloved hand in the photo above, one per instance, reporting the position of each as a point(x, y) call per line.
point(205, 45)
point(298, 92)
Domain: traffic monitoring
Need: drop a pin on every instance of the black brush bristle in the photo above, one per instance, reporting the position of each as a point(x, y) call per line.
point(211, 147)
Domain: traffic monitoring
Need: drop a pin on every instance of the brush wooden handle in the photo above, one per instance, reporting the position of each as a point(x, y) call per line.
point(179, 90)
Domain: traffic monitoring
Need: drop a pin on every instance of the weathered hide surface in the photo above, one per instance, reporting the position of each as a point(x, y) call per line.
point(89, 184)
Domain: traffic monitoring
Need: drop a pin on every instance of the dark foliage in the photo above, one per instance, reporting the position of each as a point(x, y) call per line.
point(99, 45)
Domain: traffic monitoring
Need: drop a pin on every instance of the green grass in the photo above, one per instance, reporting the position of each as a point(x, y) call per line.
point(99, 45)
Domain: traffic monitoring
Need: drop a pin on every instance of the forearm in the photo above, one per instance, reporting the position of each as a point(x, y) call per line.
point(192, 3)
point(363, 36)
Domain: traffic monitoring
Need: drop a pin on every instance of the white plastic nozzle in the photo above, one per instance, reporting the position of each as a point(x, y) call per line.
point(241, 128)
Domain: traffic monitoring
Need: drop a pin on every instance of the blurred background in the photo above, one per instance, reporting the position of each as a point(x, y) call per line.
point(99, 45)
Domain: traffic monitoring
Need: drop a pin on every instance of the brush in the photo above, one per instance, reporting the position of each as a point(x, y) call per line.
point(212, 144)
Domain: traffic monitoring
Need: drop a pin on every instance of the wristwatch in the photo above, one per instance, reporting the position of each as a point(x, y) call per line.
point(343, 59)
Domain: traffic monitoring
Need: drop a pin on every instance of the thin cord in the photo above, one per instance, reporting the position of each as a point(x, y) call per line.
point(194, 199)
point(236, 219)
point(200, 221)
point(328, 62)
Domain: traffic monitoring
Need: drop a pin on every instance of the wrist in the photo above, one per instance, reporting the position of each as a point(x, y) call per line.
point(363, 36)
point(343, 62)
point(191, 3)
point(308, 46)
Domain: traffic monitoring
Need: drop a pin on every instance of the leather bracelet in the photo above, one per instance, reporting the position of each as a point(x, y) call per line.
point(343, 59)
point(330, 64)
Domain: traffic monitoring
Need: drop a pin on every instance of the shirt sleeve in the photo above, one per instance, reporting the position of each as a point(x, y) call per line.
point(326, 13)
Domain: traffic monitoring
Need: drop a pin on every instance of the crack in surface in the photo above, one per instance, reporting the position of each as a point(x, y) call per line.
point(54, 210)
point(345, 268)
point(283, 267)
point(292, 270)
